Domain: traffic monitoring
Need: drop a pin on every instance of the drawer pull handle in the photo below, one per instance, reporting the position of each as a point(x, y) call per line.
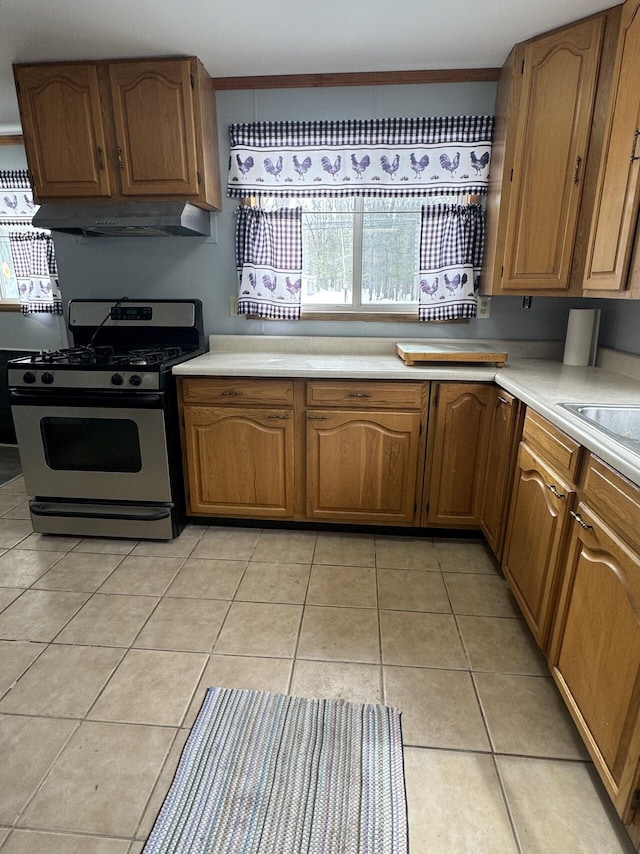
point(504, 401)
point(358, 394)
point(100, 159)
point(318, 417)
point(119, 153)
point(580, 522)
point(554, 491)
point(277, 417)
point(232, 394)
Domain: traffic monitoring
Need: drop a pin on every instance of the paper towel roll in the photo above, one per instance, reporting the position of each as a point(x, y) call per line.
point(582, 336)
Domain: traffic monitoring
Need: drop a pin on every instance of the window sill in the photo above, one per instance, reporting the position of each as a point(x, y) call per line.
point(370, 316)
point(8, 305)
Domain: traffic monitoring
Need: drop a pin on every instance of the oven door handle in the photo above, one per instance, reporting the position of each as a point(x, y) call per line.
point(117, 400)
point(154, 514)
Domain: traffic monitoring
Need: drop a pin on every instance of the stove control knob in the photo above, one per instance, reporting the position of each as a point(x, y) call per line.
point(47, 378)
point(117, 379)
point(135, 379)
point(29, 377)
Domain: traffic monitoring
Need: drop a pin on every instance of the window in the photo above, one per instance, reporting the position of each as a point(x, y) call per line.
point(335, 217)
point(359, 254)
point(28, 272)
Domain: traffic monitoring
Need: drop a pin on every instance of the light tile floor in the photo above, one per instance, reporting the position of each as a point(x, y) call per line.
point(107, 646)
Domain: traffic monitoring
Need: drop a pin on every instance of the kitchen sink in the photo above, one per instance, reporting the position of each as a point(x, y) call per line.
point(621, 423)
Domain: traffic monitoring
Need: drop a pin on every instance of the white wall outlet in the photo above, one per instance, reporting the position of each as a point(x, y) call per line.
point(233, 306)
point(484, 308)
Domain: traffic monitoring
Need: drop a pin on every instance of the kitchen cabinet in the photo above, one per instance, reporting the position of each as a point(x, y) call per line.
point(546, 140)
point(542, 499)
point(504, 432)
point(238, 439)
point(615, 215)
point(364, 451)
point(595, 650)
point(459, 424)
point(120, 130)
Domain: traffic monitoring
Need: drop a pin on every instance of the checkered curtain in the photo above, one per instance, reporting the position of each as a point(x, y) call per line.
point(451, 242)
point(269, 262)
point(28, 270)
point(424, 156)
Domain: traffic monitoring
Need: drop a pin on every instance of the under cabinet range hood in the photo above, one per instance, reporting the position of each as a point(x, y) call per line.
point(124, 219)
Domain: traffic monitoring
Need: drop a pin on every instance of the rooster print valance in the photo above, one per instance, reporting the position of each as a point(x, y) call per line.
point(432, 156)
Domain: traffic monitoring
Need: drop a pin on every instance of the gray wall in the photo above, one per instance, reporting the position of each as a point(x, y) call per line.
point(194, 267)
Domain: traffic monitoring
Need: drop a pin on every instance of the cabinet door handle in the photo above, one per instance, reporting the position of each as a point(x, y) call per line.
point(551, 487)
point(504, 401)
point(119, 153)
point(232, 394)
point(318, 417)
point(580, 522)
point(100, 158)
point(277, 417)
point(634, 156)
point(358, 394)
point(576, 171)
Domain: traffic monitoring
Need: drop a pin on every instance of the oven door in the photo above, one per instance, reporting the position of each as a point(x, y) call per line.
point(93, 446)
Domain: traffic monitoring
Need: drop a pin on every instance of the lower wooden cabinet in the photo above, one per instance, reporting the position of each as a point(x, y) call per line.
point(541, 501)
point(362, 465)
point(457, 443)
point(504, 434)
point(595, 652)
point(240, 461)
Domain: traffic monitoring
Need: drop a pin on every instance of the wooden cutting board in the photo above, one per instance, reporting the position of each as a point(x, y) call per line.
point(443, 352)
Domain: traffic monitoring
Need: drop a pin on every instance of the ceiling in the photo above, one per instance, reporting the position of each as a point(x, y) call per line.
point(254, 37)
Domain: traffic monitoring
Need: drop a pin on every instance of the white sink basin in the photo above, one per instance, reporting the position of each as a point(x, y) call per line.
point(621, 423)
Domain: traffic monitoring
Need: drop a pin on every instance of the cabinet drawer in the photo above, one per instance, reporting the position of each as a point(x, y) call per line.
point(228, 390)
point(380, 395)
point(556, 447)
point(616, 498)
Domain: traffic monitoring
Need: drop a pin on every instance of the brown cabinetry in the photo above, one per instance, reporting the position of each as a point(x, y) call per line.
point(615, 214)
point(129, 129)
point(545, 141)
point(542, 499)
point(363, 460)
point(595, 650)
point(239, 456)
point(506, 424)
point(459, 424)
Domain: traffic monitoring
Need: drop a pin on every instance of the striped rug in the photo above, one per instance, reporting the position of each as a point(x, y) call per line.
point(265, 773)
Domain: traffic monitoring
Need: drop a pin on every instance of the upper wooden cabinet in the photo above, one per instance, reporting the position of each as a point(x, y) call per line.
point(131, 129)
point(615, 215)
point(549, 95)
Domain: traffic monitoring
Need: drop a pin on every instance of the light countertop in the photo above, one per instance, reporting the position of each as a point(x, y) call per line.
point(533, 373)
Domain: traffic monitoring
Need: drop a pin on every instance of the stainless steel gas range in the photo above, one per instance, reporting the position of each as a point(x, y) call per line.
point(97, 423)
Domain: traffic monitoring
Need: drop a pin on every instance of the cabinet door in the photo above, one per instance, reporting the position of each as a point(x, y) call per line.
point(618, 192)
point(155, 127)
point(558, 92)
point(362, 465)
point(63, 128)
point(499, 468)
point(538, 521)
point(459, 423)
point(595, 651)
point(239, 461)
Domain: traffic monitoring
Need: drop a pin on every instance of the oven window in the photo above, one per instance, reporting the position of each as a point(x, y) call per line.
point(91, 444)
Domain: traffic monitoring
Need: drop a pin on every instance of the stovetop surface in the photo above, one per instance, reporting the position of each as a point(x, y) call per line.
point(149, 358)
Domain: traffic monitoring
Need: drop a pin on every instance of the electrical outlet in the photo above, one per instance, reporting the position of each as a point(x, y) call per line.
point(484, 308)
point(233, 306)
